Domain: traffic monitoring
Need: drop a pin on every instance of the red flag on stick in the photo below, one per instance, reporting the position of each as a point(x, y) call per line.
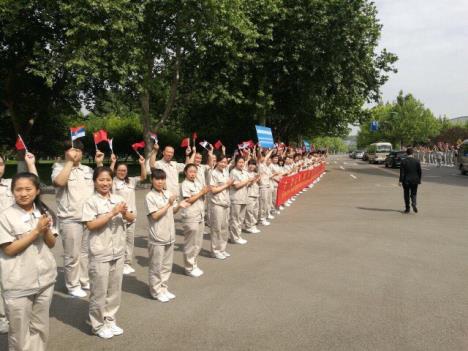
point(139, 145)
point(100, 136)
point(185, 142)
point(20, 145)
point(218, 145)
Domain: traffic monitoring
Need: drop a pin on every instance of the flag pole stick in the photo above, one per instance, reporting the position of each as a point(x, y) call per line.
point(25, 147)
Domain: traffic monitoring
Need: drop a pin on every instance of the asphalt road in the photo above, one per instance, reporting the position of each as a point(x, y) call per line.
point(341, 269)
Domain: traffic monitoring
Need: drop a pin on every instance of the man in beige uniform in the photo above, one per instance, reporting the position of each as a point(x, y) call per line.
point(106, 261)
point(172, 168)
point(73, 186)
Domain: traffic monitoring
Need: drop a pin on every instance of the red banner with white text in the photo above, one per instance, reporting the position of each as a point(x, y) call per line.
point(291, 185)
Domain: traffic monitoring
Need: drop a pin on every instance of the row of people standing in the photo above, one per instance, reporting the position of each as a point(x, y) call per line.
point(96, 214)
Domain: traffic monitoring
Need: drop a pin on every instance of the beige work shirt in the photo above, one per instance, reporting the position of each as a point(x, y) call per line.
point(238, 196)
point(29, 271)
point(275, 168)
point(162, 231)
point(201, 174)
point(108, 242)
point(127, 191)
point(265, 174)
point(6, 197)
point(71, 197)
point(195, 212)
point(253, 189)
point(218, 178)
point(172, 170)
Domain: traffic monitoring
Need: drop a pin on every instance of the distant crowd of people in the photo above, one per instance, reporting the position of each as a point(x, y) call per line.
point(441, 154)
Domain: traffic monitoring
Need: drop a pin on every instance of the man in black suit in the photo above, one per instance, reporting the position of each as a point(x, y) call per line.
point(410, 178)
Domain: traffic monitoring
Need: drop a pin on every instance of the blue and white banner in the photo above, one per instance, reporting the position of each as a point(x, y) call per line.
point(374, 126)
point(307, 146)
point(265, 137)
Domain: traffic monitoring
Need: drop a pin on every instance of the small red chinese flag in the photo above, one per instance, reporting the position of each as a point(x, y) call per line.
point(139, 145)
point(99, 136)
point(218, 145)
point(20, 144)
point(185, 142)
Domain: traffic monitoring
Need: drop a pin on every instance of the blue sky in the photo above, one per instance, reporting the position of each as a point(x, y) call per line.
point(431, 40)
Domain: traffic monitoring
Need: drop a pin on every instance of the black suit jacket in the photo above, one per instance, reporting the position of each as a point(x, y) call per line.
point(410, 171)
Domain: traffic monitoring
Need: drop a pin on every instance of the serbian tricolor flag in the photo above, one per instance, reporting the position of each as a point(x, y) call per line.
point(204, 144)
point(139, 145)
point(185, 142)
point(77, 132)
point(100, 136)
point(20, 145)
point(154, 137)
point(218, 145)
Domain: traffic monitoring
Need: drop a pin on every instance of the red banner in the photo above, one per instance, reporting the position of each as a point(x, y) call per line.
point(291, 185)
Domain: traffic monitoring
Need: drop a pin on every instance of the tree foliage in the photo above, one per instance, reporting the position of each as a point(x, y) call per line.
point(303, 67)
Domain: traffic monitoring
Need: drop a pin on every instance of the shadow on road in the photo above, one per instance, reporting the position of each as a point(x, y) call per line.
point(379, 209)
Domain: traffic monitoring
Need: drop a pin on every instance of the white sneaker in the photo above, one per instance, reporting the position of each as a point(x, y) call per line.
point(281, 208)
point(226, 254)
point(4, 326)
point(271, 217)
point(170, 295)
point(240, 241)
point(252, 230)
point(77, 292)
point(162, 297)
point(265, 222)
point(85, 286)
point(218, 255)
point(127, 269)
point(116, 330)
point(195, 273)
point(287, 204)
point(105, 333)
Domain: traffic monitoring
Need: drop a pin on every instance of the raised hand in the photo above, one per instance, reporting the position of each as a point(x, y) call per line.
point(141, 160)
point(188, 151)
point(99, 157)
point(29, 158)
point(113, 158)
point(72, 155)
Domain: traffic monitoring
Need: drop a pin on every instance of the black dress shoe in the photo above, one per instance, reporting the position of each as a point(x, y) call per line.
point(407, 210)
point(415, 209)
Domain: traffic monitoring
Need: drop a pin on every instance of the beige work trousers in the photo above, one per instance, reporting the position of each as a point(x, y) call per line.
point(274, 192)
point(75, 238)
point(236, 220)
point(160, 267)
point(193, 242)
point(130, 244)
point(219, 221)
point(105, 293)
point(29, 321)
point(2, 306)
point(264, 203)
point(251, 213)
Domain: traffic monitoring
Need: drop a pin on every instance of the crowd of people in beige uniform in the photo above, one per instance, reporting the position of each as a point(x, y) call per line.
point(95, 217)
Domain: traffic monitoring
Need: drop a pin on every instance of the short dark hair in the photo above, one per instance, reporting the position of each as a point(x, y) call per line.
point(158, 174)
point(76, 144)
point(252, 162)
point(97, 172)
point(409, 151)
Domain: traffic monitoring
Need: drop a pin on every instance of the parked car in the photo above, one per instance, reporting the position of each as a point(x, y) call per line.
point(462, 159)
point(394, 159)
point(358, 154)
point(365, 156)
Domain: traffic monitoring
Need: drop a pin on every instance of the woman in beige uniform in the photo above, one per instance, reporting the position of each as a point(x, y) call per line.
point(27, 265)
point(193, 221)
point(6, 200)
point(160, 209)
point(219, 208)
point(253, 193)
point(263, 160)
point(105, 214)
point(238, 197)
point(125, 186)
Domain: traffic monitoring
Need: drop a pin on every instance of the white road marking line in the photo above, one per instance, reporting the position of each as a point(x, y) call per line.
point(353, 176)
point(426, 169)
point(341, 167)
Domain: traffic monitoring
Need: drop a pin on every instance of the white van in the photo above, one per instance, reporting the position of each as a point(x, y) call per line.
point(377, 152)
point(462, 160)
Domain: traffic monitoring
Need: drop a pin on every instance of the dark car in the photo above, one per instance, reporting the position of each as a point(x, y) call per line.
point(394, 159)
point(364, 156)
